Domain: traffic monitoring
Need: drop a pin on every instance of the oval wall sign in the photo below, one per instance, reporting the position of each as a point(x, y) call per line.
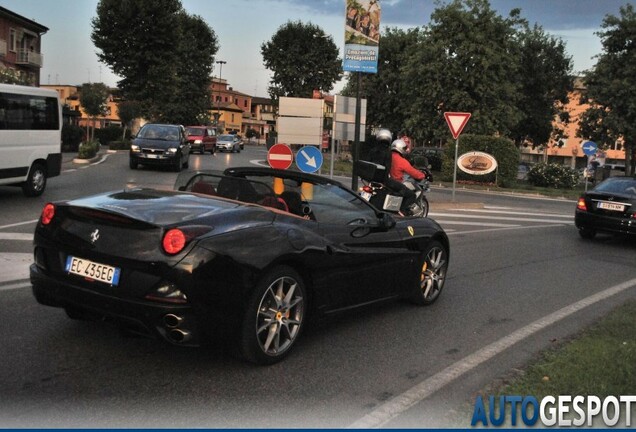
point(477, 163)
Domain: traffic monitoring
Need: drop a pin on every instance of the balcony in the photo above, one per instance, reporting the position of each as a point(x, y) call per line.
point(29, 58)
point(3, 48)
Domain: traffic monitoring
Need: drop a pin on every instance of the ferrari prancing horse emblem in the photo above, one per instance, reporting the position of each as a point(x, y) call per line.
point(95, 236)
point(411, 230)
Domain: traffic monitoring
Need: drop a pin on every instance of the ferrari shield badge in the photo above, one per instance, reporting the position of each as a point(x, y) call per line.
point(411, 230)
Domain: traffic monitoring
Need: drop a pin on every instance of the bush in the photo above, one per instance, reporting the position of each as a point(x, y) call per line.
point(119, 145)
point(88, 150)
point(553, 175)
point(108, 134)
point(502, 149)
point(71, 137)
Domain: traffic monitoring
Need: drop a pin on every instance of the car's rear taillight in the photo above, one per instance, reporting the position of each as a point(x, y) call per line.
point(581, 204)
point(174, 241)
point(367, 189)
point(48, 213)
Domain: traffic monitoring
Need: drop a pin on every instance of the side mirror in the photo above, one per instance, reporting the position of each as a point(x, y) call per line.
point(386, 221)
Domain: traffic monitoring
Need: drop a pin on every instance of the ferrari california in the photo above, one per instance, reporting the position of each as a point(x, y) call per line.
point(246, 255)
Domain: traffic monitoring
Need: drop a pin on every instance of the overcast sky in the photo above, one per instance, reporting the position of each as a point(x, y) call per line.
point(243, 25)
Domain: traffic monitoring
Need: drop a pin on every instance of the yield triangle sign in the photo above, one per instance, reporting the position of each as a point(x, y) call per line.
point(456, 122)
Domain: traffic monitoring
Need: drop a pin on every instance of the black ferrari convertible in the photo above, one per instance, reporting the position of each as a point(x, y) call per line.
point(246, 254)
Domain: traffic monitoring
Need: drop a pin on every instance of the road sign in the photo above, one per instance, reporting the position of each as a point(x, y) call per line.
point(309, 159)
point(280, 156)
point(589, 148)
point(456, 122)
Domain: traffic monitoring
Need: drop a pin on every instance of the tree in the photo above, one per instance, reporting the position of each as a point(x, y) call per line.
point(303, 58)
point(387, 91)
point(611, 85)
point(467, 61)
point(127, 111)
point(94, 98)
point(163, 54)
point(545, 74)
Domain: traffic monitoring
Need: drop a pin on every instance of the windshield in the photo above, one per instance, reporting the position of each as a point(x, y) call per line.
point(618, 185)
point(159, 132)
point(194, 131)
point(226, 137)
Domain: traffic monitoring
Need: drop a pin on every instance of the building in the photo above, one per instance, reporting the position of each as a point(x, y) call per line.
point(568, 150)
point(20, 46)
point(74, 113)
point(261, 118)
point(228, 106)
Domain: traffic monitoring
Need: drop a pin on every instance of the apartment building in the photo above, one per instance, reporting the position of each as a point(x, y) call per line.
point(20, 46)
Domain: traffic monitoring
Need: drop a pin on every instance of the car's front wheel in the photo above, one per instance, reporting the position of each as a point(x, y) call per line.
point(274, 316)
point(432, 275)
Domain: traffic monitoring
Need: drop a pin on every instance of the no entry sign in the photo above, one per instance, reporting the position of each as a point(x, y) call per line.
point(280, 156)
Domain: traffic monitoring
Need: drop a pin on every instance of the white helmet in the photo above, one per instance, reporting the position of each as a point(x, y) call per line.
point(384, 135)
point(399, 146)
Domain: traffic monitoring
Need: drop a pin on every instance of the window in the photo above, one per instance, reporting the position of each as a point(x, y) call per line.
point(23, 112)
point(13, 42)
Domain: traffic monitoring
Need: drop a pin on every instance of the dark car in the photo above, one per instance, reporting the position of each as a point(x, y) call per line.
point(245, 255)
point(422, 157)
point(201, 138)
point(610, 207)
point(160, 144)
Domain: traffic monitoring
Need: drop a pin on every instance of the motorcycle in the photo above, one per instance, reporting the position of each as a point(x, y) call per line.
point(384, 198)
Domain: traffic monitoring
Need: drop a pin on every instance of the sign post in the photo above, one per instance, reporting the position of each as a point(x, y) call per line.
point(456, 122)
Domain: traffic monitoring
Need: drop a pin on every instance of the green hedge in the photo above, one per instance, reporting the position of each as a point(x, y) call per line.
point(88, 150)
point(72, 136)
point(553, 175)
point(119, 145)
point(108, 134)
point(502, 149)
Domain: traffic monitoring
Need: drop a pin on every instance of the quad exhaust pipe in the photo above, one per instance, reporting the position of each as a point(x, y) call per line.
point(172, 321)
point(179, 336)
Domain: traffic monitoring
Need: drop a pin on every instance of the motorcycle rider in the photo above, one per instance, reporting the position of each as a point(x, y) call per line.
point(399, 167)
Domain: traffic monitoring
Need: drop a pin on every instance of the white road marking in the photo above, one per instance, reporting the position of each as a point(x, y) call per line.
point(520, 213)
point(16, 236)
point(17, 285)
point(14, 266)
point(485, 224)
point(455, 215)
point(518, 227)
point(396, 406)
point(18, 224)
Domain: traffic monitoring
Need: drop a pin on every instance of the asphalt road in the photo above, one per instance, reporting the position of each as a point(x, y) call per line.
point(520, 280)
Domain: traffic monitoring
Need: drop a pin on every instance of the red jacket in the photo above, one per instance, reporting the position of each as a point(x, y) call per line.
point(400, 166)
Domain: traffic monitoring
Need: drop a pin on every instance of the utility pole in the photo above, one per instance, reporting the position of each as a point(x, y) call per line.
point(218, 102)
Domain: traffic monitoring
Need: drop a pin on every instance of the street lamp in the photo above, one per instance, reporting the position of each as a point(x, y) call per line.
point(218, 102)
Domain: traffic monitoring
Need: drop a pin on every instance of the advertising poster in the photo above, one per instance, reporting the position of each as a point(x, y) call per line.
point(362, 36)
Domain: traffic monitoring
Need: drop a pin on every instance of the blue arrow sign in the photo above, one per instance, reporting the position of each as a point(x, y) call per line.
point(589, 148)
point(309, 159)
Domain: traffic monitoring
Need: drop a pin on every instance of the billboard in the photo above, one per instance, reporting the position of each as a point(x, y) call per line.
point(362, 36)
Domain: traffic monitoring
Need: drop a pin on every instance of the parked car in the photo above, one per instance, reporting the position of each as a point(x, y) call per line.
point(248, 254)
point(201, 138)
point(610, 207)
point(228, 142)
point(422, 157)
point(160, 144)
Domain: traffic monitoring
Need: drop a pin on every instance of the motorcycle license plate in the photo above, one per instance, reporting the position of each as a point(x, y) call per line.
point(92, 270)
point(365, 195)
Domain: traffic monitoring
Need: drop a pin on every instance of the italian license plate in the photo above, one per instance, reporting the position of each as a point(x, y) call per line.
point(92, 270)
point(365, 195)
point(611, 206)
point(152, 156)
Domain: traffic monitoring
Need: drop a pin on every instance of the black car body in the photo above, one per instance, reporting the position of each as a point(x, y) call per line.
point(610, 207)
point(160, 144)
point(246, 255)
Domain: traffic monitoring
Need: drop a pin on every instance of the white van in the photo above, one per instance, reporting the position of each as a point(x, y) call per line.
point(30, 137)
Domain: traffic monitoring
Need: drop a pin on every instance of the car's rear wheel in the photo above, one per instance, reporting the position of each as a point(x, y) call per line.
point(36, 181)
point(587, 233)
point(432, 275)
point(274, 316)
